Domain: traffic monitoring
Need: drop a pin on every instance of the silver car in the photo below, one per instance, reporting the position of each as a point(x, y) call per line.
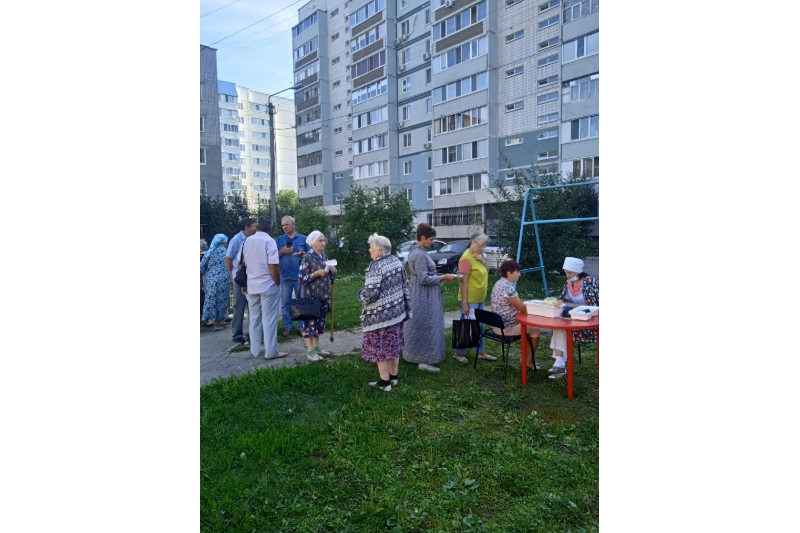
point(402, 250)
point(493, 254)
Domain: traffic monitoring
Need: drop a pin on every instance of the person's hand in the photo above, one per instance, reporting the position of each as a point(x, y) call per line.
point(319, 273)
point(298, 254)
point(448, 277)
point(244, 290)
point(333, 270)
point(465, 309)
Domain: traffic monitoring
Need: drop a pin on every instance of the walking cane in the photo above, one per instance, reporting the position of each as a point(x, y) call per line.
point(333, 277)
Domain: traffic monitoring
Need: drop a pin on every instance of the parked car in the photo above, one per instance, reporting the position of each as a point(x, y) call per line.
point(447, 257)
point(493, 253)
point(402, 250)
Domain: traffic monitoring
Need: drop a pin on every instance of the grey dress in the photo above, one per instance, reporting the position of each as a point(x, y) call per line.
point(424, 333)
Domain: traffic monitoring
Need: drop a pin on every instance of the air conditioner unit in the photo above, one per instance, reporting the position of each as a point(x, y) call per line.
point(404, 37)
point(401, 124)
point(397, 42)
point(426, 56)
point(401, 68)
point(449, 3)
point(428, 145)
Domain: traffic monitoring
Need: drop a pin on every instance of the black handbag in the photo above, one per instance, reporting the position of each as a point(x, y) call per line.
point(466, 334)
point(241, 273)
point(305, 308)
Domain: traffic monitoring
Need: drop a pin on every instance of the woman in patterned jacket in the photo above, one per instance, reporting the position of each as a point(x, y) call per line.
point(385, 301)
point(580, 289)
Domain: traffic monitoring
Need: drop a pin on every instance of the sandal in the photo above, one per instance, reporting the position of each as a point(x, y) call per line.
point(487, 357)
point(460, 358)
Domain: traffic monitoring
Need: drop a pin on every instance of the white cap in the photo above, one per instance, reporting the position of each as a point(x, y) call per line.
point(573, 264)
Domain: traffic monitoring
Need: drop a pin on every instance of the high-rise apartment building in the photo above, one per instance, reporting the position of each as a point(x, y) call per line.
point(210, 166)
point(245, 141)
point(438, 98)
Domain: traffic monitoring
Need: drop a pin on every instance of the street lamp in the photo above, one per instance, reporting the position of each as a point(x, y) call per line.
point(272, 155)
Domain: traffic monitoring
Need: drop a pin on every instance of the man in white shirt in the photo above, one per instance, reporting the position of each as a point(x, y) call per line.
point(263, 289)
point(248, 227)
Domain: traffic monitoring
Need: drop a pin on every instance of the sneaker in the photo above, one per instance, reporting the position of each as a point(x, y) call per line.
point(429, 368)
point(314, 357)
point(386, 388)
point(460, 358)
point(393, 382)
point(323, 352)
point(556, 370)
point(287, 332)
point(558, 376)
point(280, 355)
point(240, 340)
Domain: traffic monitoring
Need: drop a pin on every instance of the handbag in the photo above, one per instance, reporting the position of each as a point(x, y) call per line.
point(305, 308)
point(466, 334)
point(241, 273)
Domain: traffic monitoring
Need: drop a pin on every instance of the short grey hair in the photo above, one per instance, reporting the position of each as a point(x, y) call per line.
point(290, 218)
point(475, 237)
point(381, 242)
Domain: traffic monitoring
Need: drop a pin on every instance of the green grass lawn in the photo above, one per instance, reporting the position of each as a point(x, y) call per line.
point(314, 448)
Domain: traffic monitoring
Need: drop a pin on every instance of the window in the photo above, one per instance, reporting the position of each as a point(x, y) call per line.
point(334, 36)
point(463, 119)
point(338, 153)
point(548, 60)
point(367, 38)
point(379, 168)
point(517, 174)
point(405, 56)
point(405, 112)
point(203, 124)
point(242, 134)
point(368, 118)
point(227, 98)
point(516, 71)
point(403, 3)
point(459, 21)
point(370, 91)
point(549, 22)
point(405, 27)
point(427, 16)
point(202, 156)
point(308, 160)
point(241, 120)
point(232, 142)
point(309, 115)
point(548, 81)
point(459, 184)
point(259, 107)
point(513, 141)
point(338, 176)
point(308, 22)
point(230, 127)
point(428, 46)
point(461, 54)
point(405, 84)
point(581, 47)
point(242, 147)
point(260, 175)
point(428, 76)
point(516, 106)
point(548, 118)
point(369, 64)
point(575, 9)
point(311, 137)
point(259, 148)
point(369, 144)
point(203, 188)
point(409, 196)
point(430, 191)
point(406, 140)
point(259, 121)
point(337, 130)
point(429, 105)
point(334, 12)
point(407, 167)
point(304, 182)
point(547, 155)
point(547, 44)
point(547, 135)
point(301, 51)
point(260, 161)
point(581, 89)
point(305, 72)
point(347, 53)
point(510, 3)
point(337, 107)
point(463, 152)
point(228, 113)
point(241, 106)
point(366, 12)
point(314, 201)
point(430, 167)
point(583, 128)
point(337, 83)
point(547, 97)
point(335, 60)
point(429, 132)
point(230, 157)
point(549, 5)
point(306, 93)
point(462, 87)
point(515, 36)
point(587, 167)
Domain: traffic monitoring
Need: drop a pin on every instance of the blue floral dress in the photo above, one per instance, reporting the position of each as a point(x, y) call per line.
point(217, 284)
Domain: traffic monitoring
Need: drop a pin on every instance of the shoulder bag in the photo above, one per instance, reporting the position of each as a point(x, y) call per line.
point(241, 273)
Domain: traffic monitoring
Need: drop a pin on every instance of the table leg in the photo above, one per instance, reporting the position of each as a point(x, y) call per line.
point(523, 341)
point(569, 364)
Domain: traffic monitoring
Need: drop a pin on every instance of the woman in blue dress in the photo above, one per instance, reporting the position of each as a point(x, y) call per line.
point(216, 283)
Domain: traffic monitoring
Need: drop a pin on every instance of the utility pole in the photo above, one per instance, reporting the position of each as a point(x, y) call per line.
point(272, 155)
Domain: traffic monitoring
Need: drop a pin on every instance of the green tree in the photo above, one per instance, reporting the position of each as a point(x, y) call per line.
point(365, 213)
point(218, 217)
point(308, 219)
point(287, 202)
point(558, 240)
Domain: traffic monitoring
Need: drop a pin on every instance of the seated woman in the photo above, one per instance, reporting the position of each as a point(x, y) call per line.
point(580, 289)
point(507, 303)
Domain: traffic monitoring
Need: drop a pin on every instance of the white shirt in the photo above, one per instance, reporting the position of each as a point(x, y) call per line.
point(260, 251)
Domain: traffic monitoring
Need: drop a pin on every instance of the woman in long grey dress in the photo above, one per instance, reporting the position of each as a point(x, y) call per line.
point(423, 339)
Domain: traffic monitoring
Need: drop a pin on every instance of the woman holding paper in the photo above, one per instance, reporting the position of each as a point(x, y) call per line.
point(316, 283)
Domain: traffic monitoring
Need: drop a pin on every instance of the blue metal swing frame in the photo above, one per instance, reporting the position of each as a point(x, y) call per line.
point(536, 223)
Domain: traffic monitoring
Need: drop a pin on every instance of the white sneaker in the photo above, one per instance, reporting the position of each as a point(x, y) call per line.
point(429, 368)
point(562, 375)
point(323, 352)
point(387, 388)
point(556, 370)
point(314, 357)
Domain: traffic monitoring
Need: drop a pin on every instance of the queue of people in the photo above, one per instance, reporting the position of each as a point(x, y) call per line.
point(398, 314)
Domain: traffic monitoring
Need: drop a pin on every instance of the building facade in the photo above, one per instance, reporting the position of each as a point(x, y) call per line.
point(442, 98)
point(210, 153)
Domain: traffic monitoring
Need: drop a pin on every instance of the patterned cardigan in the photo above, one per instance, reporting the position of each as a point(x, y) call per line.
point(385, 297)
point(591, 292)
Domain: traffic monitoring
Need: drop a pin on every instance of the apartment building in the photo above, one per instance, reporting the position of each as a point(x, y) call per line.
point(440, 98)
point(210, 153)
point(245, 143)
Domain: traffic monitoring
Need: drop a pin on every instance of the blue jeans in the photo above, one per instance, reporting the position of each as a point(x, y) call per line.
point(481, 347)
point(286, 299)
point(264, 320)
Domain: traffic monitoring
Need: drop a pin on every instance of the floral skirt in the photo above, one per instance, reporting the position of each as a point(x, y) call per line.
point(315, 327)
point(382, 344)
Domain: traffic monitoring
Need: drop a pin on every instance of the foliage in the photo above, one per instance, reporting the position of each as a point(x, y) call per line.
point(309, 219)
point(218, 217)
point(286, 201)
point(365, 213)
point(558, 240)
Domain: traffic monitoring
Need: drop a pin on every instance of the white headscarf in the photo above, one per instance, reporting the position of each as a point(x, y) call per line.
point(312, 237)
point(573, 264)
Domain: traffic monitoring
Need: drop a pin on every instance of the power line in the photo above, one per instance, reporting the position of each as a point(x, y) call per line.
point(257, 22)
point(223, 7)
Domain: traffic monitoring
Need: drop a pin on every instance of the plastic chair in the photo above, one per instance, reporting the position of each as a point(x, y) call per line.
point(491, 319)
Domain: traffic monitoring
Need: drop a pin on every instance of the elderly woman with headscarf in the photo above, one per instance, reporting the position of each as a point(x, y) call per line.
point(474, 284)
point(580, 289)
point(315, 281)
point(385, 301)
point(216, 282)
